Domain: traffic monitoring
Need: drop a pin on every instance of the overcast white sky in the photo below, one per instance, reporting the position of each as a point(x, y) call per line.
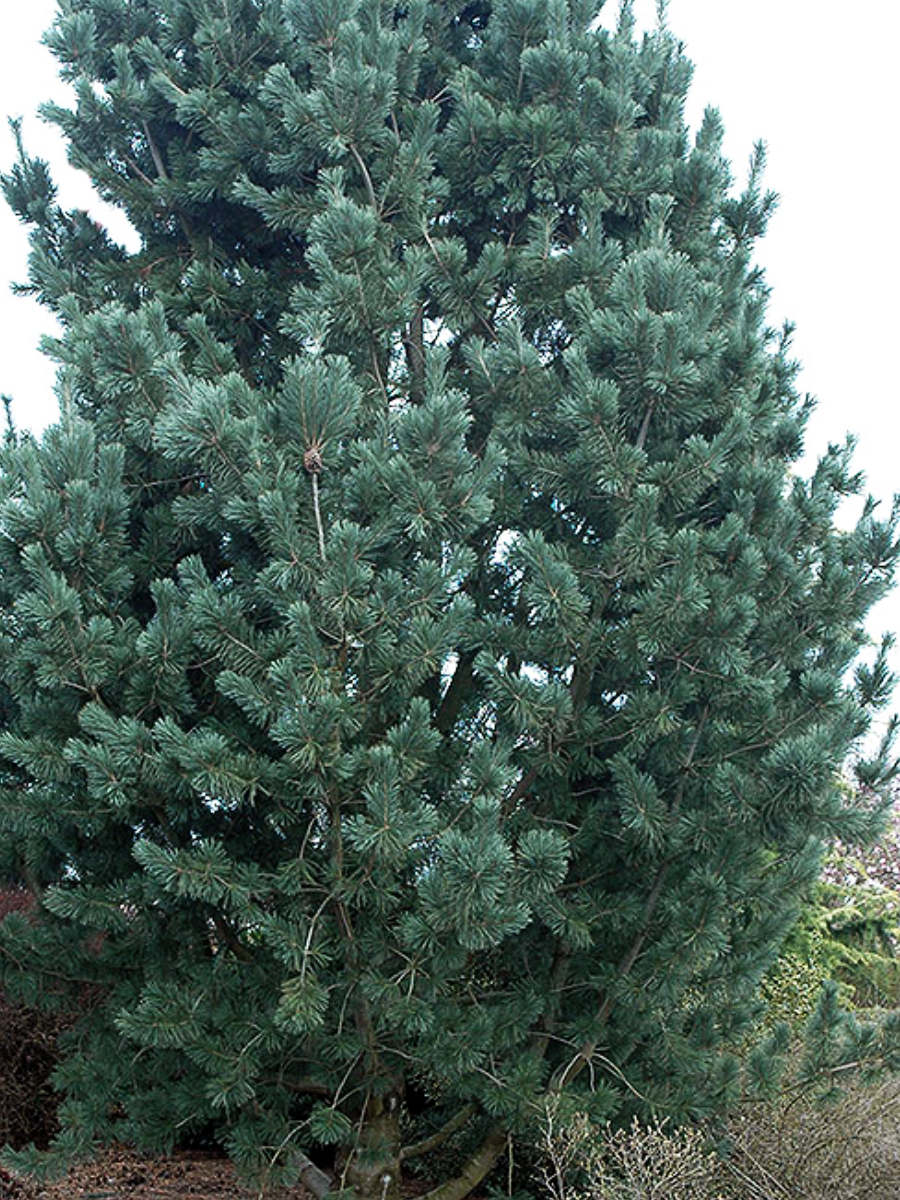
point(816, 79)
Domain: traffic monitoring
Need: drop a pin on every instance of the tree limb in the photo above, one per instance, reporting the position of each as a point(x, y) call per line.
point(587, 1049)
point(318, 514)
point(558, 973)
point(313, 1178)
point(164, 175)
point(414, 344)
point(457, 690)
point(417, 1149)
point(645, 425)
point(474, 1169)
point(231, 939)
point(370, 189)
point(522, 788)
point(306, 1086)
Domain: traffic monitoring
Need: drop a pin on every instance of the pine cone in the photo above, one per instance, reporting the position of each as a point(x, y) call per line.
point(312, 459)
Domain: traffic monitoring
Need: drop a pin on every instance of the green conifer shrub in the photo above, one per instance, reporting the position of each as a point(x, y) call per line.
point(424, 677)
point(847, 929)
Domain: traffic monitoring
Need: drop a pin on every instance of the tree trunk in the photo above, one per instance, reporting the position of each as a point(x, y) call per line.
point(372, 1167)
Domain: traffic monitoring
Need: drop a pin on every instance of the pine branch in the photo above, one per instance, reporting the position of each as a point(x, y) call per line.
point(417, 1149)
point(164, 175)
point(459, 687)
point(154, 153)
point(588, 1049)
point(144, 178)
point(645, 425)
point(230, 938)
point(558, 972)
point(7, 413)
point(305, 1086)
point(370, 188)
point(318, 512)
point(313, 1178)
point(379, 376)
point(474, 1169)
point(414, 344)
point(362, 1012)
point(522, 788)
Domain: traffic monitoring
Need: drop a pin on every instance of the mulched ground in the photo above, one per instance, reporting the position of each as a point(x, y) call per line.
point(119, 1172)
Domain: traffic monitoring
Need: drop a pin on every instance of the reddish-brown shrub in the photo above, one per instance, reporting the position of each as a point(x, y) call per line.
point(27, 1057)
point(14, 899)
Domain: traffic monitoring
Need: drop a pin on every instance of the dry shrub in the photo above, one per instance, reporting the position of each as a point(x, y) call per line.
point(798, 1149)
point(795, 1148)
point(643, 1162)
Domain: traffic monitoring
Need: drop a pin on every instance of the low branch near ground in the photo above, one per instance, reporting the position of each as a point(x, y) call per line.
point(417, 1149)
point(313, 1178)
point(475, 1168)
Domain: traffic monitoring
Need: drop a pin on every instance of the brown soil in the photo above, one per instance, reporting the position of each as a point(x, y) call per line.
point(119, 1172)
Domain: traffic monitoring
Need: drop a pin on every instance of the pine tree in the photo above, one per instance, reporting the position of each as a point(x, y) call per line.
point(425, 677)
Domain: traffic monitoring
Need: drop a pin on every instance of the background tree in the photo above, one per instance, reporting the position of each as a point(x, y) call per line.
point(425, 681)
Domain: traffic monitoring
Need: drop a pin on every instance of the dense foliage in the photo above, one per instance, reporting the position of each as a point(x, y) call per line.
point(424, 679)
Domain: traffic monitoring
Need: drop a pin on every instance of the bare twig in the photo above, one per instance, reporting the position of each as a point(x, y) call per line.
point(370, 188)
point(318, 512)
point(645, 425)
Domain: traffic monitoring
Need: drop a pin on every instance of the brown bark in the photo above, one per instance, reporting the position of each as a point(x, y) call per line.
point(372, 1169)
point(414, 344)
point(587, 1049)
point(314, 1179)
point(457, 690)
point(440, 1136)
point(474, 1169)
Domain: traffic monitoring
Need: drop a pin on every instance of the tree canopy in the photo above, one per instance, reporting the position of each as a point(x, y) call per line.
point(425, 678)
